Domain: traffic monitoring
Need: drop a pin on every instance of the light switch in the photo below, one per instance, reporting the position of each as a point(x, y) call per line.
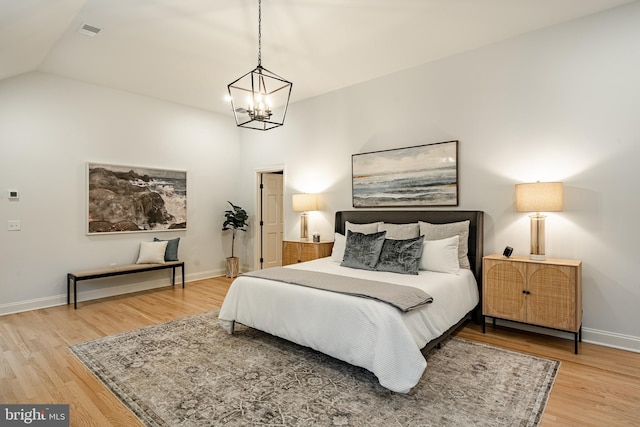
point(14, 225)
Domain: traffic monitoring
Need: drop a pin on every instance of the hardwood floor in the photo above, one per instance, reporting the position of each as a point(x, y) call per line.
point(598, 387)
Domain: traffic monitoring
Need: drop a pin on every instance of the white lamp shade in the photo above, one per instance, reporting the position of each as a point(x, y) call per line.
point(305, 202)
point(539, 197)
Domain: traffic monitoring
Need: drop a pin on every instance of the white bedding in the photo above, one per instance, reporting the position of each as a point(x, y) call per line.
point(360, 331)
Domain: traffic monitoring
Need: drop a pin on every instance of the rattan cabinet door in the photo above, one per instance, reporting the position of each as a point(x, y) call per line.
point(290, 252)
point(309, 252)
point(551, 298)
point(503, 290)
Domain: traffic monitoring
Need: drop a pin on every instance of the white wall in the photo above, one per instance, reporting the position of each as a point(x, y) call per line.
point(558, 104)
point(49, 128)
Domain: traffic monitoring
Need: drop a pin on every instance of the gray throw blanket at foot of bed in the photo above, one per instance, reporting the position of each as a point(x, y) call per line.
point(404, 298)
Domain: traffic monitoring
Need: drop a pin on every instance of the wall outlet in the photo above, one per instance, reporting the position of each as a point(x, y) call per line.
point(13, 225)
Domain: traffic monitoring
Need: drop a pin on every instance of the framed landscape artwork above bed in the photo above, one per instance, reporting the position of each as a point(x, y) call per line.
point(124, 199)
point(423, 175)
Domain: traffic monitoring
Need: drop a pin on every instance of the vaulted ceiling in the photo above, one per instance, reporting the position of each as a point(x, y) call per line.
point(187, 51)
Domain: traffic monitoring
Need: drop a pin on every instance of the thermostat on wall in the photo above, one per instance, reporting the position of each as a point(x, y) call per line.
point(14, 195)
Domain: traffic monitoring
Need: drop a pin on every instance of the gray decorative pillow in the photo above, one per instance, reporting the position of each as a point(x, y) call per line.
point(369, 228)
point(401, 256)
point(442, 231)
point(362, 250)
point(400, 231)
point(171, 253)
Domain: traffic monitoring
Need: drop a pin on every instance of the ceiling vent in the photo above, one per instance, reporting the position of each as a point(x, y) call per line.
point(88, 30)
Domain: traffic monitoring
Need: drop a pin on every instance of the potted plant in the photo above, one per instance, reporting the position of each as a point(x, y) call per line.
point(235, 220)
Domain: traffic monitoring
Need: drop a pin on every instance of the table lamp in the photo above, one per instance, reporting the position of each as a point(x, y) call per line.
point(538, 197)
point(304, 203)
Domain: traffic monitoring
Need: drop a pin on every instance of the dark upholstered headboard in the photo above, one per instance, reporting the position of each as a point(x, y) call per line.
point(476, 227)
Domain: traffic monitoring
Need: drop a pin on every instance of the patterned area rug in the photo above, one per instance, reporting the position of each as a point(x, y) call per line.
point(189, 372)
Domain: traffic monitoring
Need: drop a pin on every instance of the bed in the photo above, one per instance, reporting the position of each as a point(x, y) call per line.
point(365, 332)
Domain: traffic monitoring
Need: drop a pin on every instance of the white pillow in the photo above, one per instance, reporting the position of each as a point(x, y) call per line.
point(400, 231)
point(441, 231)
point(369, 228)
point(339, 245)
point(440, 255)
point(152, 252)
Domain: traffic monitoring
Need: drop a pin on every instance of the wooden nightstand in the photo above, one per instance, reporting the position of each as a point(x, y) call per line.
point(543, 293)
point(294, 251)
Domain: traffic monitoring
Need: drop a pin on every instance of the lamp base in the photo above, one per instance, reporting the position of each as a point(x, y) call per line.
point(536, 251)
point(304, 226)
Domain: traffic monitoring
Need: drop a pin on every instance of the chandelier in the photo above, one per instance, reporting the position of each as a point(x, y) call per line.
point(260, 98)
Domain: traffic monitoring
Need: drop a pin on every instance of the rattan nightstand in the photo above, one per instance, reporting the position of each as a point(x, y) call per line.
point(543, 293)
point(294, 251)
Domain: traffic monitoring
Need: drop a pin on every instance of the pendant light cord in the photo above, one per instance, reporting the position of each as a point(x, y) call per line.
point(259, 33)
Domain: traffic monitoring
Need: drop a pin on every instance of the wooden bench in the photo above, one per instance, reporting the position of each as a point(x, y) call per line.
point(118, 271)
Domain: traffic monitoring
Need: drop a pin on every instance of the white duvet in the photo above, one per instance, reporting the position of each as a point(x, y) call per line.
point(360, 331)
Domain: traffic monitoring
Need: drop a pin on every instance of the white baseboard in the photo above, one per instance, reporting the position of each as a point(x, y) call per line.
point(103, 292)
point(592, 336)
point(611, 339)
point(32, 304)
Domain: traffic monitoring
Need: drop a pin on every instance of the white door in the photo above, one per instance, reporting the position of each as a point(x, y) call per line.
point(272, 219)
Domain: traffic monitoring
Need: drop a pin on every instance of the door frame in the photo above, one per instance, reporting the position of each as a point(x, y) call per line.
point(258, 235)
